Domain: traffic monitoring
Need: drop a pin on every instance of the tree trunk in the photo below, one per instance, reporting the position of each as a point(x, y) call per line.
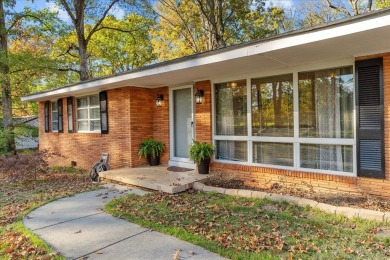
point(83, 56)
point(82, 42)
point(213, 15)
point(6, 85)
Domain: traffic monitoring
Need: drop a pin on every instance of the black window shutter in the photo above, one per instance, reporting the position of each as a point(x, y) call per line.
point(47, 104)
point(103, 112)
point(60, 116)
point(369, 118)
point(69, 109)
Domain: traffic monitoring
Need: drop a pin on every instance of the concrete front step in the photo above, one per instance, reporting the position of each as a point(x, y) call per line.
point(155, 178)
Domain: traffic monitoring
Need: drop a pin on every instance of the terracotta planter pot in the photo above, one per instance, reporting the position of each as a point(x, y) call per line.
point(204, 166)
point(154, 161)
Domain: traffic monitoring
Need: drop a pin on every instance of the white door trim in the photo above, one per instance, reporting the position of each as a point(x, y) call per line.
point(177, 161)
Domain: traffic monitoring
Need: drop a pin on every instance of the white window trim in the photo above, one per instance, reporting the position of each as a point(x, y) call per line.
point(88, 107)
point(51, 116)
point(295, 140)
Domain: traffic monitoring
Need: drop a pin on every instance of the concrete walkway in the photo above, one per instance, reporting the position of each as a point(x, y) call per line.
point(77, 228)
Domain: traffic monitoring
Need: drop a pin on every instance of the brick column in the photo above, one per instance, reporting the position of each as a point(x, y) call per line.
point(203, 117)
point(161, 122)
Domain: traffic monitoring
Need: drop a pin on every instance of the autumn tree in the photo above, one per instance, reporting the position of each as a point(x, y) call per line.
point(319, 12)
point(381, 4)
point(15, 25)
point(5, 82)
point(87, 18)
point(351, 7)
point(186, 27)
point(121, 45)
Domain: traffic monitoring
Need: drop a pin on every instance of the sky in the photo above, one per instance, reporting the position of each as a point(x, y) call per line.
point(118, 13)
point(40, 4)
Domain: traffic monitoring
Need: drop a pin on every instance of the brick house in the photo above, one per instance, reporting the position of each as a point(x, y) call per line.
point(311, 107)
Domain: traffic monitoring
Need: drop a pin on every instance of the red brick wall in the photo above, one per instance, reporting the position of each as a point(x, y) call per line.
point(132, 116)
point(85, 148)
point(148, 121)
point(161, 122)
point(203, 113)
point(386, 108)
point(141, 121)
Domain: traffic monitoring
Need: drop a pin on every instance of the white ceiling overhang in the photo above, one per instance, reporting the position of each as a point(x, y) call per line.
point(359, 36)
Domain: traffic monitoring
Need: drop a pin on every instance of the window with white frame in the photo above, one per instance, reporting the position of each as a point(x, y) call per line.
point(88, 114)
point(54, 116)
point(231, 119)
point(254, 121)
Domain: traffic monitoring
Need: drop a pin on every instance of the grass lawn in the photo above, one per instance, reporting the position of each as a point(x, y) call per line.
point(242, 228)
point(18, 198)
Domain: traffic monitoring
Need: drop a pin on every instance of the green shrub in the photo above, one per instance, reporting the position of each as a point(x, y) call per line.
point(151, 148)
point(200, 151)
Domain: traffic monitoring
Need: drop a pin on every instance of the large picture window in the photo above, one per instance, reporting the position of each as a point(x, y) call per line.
point(88, 114)
point(326, 103)
point(272, 106)
point(301, 120)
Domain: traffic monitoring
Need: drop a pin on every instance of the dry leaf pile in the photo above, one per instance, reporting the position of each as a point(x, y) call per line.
point(304, 190)
point(20, 192)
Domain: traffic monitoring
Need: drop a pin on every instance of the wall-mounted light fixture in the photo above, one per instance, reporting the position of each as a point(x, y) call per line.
point(199, 96)
point(159, 100)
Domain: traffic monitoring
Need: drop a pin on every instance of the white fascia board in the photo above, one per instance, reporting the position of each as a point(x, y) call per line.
point(261, 48)
point(315, 36)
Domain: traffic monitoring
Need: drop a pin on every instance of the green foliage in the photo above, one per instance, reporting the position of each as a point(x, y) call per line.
point(124, 47)
point(25, 130)
point(151, 148)
point(5, 137)
point(381, 4)
point(200, 151)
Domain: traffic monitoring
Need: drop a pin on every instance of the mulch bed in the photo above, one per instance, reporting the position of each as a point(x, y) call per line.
point(178, 169)
point(343, 200)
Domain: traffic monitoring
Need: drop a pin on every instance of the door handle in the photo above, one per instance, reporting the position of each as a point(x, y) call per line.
point(192, 124)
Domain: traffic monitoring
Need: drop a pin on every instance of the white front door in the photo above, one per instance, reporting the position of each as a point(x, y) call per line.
point(182, 126)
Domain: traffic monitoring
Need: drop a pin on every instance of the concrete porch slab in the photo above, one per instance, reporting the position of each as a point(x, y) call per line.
point(155, 178)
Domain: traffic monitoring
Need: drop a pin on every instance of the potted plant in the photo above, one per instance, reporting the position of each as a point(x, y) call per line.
point(152, 150)
point(200, 153)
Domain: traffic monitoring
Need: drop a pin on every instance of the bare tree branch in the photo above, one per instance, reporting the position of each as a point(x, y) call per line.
point(339, 9)
point(67, 52)
point(100, 20)
point(21, 16)
point(67, 8)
